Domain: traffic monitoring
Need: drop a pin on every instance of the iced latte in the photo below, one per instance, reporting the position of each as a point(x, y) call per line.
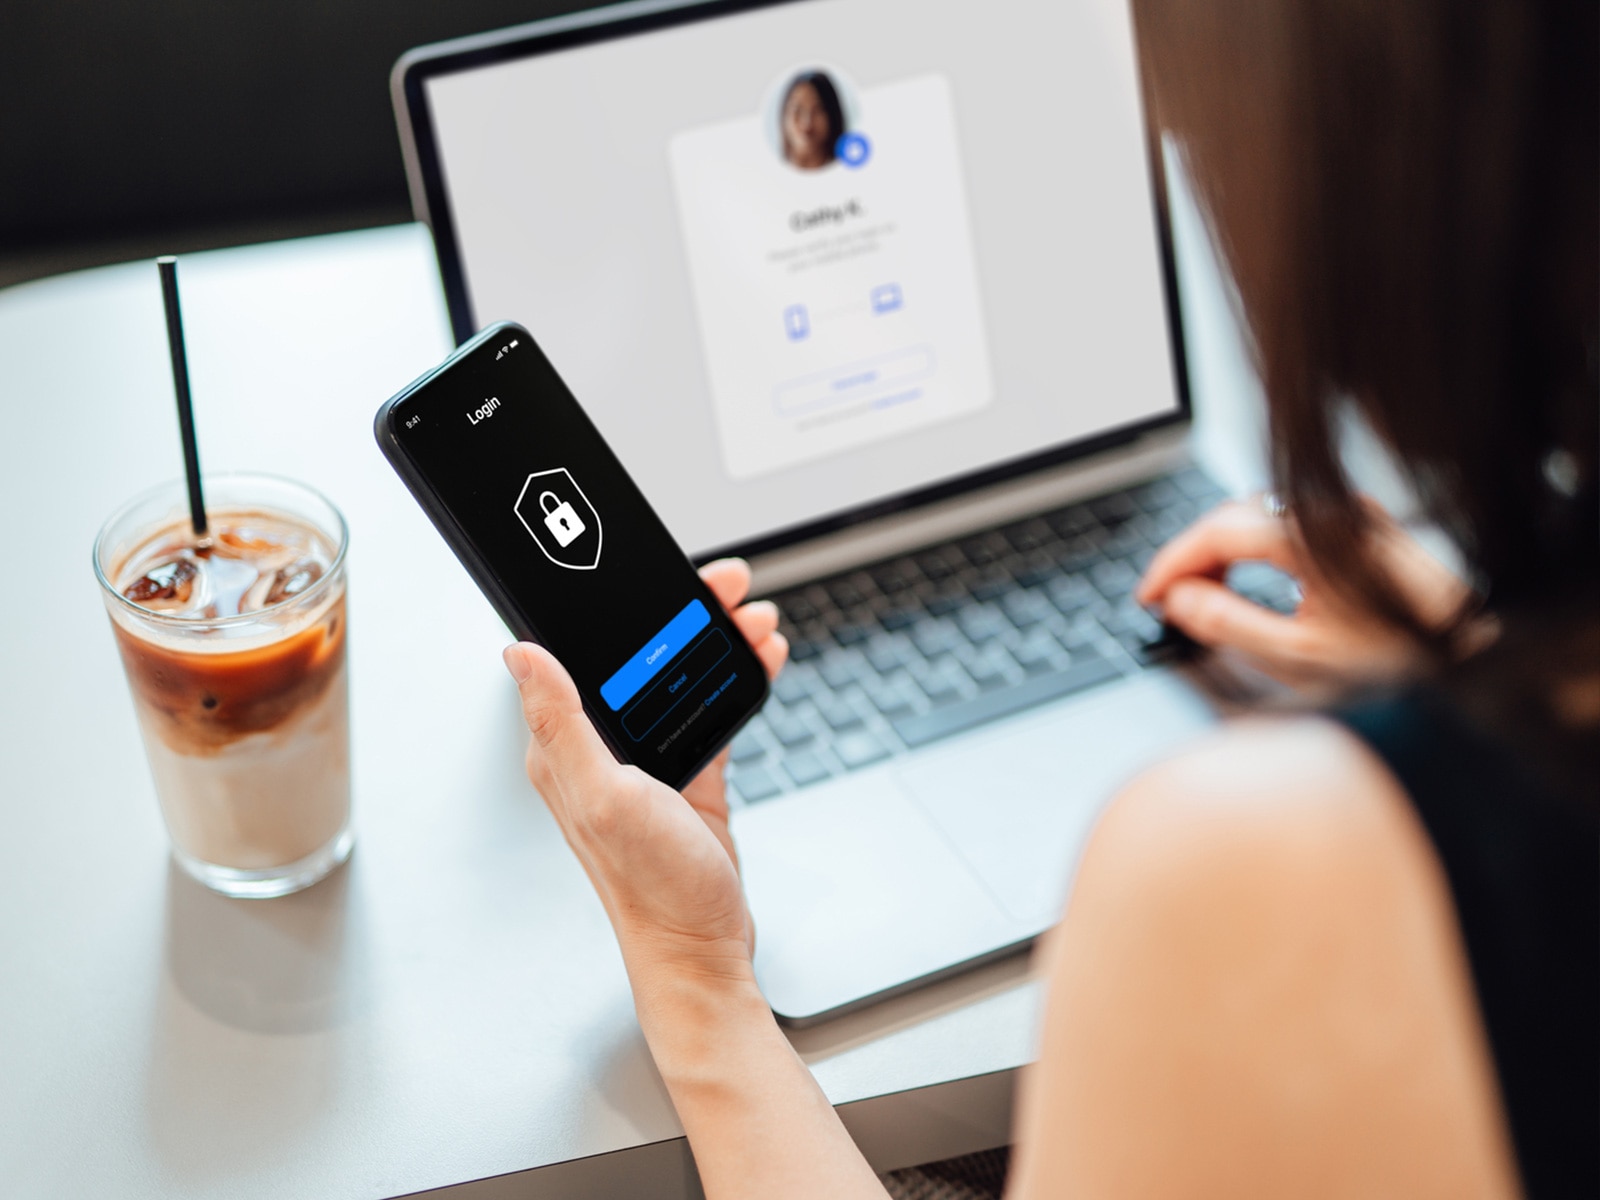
point(234, 647)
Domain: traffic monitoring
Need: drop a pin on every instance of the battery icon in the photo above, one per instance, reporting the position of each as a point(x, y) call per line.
point(513, 341)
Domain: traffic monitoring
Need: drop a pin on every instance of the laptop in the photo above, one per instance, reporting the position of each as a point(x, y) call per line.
point(878, 294)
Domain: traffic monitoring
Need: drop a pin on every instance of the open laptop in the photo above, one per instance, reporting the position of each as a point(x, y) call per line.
point(877, 293)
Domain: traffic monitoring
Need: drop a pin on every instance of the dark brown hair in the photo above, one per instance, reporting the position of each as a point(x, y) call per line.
point(1408, 192)
point(827, 96)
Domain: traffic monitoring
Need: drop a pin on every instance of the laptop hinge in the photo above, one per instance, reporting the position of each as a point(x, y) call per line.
point(1159, 452)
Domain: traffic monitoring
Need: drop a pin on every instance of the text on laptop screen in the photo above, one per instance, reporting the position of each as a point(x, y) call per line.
point(803, 258)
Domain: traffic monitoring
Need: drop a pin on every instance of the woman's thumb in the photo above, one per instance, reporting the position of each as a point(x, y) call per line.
point(550, 702)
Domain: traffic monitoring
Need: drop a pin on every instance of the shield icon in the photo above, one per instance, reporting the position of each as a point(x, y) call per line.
point(559, 517)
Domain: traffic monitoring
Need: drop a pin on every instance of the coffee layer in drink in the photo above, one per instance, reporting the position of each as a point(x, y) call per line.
point(202, 695)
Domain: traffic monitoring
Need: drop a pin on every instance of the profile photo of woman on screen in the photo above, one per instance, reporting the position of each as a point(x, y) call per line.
point(810, 121)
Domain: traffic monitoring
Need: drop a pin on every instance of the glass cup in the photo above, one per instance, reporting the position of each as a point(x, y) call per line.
point(245, 716)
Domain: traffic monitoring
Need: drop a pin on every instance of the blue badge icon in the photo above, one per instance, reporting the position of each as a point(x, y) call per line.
point(853, 149)
point(796, 322)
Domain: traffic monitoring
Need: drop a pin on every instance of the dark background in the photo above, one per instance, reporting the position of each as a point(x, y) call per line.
point(134, 127)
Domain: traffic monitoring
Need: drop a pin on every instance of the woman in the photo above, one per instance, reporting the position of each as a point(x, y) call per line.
point(810, 121)
point(1347, 954)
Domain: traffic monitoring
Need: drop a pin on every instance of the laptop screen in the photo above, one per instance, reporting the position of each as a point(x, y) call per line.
point(800, 259)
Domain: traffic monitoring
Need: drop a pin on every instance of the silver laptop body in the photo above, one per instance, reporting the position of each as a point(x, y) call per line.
point(971, 680)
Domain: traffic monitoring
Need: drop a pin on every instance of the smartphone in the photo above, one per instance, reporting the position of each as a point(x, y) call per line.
point(517, 479)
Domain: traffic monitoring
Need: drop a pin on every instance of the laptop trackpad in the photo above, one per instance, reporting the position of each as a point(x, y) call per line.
point(1019, 802)
point(854, 892)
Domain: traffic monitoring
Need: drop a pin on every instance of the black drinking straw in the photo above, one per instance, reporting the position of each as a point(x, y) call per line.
point(168, 266)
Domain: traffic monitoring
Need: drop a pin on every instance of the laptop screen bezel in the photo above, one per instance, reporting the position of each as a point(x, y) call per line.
point(432, 205)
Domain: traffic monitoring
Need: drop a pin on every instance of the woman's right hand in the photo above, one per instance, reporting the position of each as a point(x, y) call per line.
point(1327, 642)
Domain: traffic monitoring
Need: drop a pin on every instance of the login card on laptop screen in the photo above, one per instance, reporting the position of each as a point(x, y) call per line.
point(838, 304)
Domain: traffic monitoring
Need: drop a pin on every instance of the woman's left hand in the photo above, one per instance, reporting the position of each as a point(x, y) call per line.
point(663, 863)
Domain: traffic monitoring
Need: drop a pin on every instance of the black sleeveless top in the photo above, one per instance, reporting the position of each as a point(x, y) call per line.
point(1524, 872)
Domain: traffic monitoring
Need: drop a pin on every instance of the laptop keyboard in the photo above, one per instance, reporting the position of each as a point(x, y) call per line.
point(904, 652)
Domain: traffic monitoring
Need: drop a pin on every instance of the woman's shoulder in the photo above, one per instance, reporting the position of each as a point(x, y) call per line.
point(1290, 815)
point(1306, 787)
point(1271, 837)
point(1259, 970)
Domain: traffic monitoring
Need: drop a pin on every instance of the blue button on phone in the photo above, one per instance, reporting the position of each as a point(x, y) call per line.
point(654, 655)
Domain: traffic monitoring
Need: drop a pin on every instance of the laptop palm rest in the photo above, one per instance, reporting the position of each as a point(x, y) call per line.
point(900, 873)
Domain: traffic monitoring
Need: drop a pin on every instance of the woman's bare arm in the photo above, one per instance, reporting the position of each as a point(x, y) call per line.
point(664, 865)
point(1258, 989)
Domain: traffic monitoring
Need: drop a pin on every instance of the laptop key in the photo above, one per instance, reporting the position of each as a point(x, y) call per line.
point(755, 784)
point(935, 566)
point(805, 767)
point(991, 585)
point(793, 685)
point(934, 637)
point(883, 652)
point(1069, 522)
point(897, 618)
point(889, 699)
point(1156, 494)
point(1034, 655)
point(851, 634)
point(840, 716)
point(1040, 567)
point(1114, 509)
point(859, 749)
point(1197, 485)
point(980, 621)
point(1114, 579)
point(1025, 608)
point(747, 748)
point(895, 576)
point(800, 649)
point(1086, 671)
point(987, 673)
point(839, 670)
point(1069, 593)
point(790, 731)
point(940, 688)
point(1130, 618)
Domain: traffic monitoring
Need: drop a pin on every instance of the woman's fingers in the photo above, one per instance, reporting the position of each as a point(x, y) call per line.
point(1215, 615)
point(566, 746)
point(1233, 533)
point(728, 579)
point(756, 620)
point(773, 651)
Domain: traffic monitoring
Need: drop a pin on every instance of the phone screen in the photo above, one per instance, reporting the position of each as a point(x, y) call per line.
point(543, 514)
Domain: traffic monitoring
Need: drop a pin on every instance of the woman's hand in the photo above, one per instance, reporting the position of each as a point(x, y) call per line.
point(1328, 642)
point(662, 863)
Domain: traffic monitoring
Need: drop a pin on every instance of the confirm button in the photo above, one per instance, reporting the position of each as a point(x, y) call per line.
point(654, 655)
point(652, 707)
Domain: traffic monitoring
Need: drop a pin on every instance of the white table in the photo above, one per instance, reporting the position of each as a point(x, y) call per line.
point(450, 1010)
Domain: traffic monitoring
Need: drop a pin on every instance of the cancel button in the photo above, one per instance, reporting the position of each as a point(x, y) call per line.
point(676, 682)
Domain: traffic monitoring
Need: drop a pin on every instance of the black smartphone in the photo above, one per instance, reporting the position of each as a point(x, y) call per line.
point(512, 472)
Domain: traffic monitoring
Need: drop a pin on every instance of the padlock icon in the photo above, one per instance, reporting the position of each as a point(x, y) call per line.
point(569, 532)
point(561, 519)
